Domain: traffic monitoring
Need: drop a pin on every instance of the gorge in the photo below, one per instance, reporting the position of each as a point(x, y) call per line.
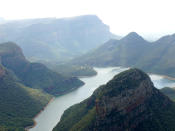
point(53, 112)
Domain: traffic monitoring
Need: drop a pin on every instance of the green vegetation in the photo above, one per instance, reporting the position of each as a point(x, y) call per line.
point(76, 117)
point(18, 103)
point(134, 51)
point(35, 75)
point(128, 102)
point(73, 70)
point(86, 121)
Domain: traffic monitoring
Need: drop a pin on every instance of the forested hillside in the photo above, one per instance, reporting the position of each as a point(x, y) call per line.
point(18, 103)
point(35, 75)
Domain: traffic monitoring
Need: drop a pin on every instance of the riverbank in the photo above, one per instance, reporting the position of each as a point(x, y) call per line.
point(48, 118)
point(68, 91)
point(58, 95)
point(32, 126)
point(61, 94)
point(52, 114)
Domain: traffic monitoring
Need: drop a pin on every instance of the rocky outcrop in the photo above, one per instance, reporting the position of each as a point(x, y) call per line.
point(129, 102)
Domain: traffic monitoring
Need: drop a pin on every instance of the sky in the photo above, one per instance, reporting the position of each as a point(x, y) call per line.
point(150, 18)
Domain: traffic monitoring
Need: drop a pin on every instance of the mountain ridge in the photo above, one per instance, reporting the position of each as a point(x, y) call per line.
point(133, 35)
point(56, 39)
point(35, 75)
point(133, 51)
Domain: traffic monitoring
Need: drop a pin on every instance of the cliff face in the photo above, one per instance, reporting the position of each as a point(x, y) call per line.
point(128, 102)
point(127, 107)
point(56, 39)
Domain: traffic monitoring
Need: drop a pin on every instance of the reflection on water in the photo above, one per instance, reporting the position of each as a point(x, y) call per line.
point(52, 113)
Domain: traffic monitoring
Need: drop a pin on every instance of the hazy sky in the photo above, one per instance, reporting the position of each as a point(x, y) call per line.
point(146, 17)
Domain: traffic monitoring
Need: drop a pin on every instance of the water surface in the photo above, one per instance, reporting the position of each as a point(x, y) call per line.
point(47, 120)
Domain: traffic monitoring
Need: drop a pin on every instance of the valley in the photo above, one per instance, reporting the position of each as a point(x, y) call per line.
point(53, 112)
point(78, 73)
point(129, 101)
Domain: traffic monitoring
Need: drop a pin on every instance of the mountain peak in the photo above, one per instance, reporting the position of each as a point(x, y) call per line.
point(10, 48)
point(131, 79)
point(128, 102)
point(133, 33)
point(134, 72)
point(133, 36)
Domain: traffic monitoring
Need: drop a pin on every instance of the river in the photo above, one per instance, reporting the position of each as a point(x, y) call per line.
point(48, 118)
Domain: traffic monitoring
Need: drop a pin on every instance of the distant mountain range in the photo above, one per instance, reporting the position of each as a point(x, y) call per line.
point(129, 102)
point(51, 39)
point(133, 51)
